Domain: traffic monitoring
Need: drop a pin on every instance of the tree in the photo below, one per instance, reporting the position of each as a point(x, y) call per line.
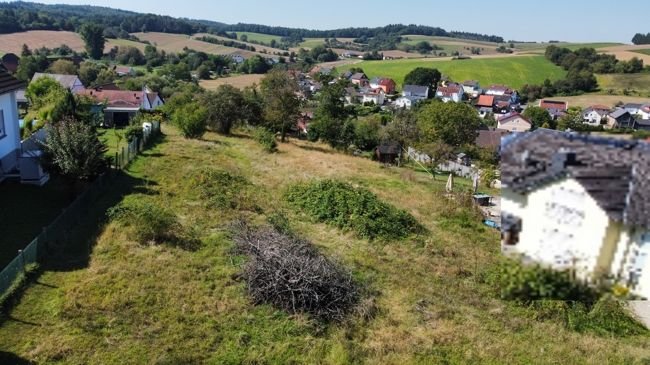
point(243, 38)
point(455, 124)
point(93, 36)
point(423, 76)
point(330, 117)
point(538, 116)
point(73, 150)
point(403, 129)
point(63, 67)
point(25, 51)
point(281, 105)
point(28, 66)
point(366, 132)
point(46, 97)
point(224, 108)
point(88, 73)
point(423, 47)
point(255, 65)
point(203, 72)
point(190, 118)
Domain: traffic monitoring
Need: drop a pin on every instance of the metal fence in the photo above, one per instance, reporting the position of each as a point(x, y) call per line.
point(53, 238)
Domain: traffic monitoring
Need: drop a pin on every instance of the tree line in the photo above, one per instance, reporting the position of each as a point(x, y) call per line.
point(641, 38)
point(23, 16)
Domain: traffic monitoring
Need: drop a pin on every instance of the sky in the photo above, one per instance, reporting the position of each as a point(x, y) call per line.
point(565, 20)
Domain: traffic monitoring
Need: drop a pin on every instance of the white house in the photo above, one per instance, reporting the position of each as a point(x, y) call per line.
point(376, 96)
point(472, 88)
point(498, 90)
point(70, 82)
point(580, 202)
point(9, 127)
point(451, 92)
point(411, 95)
point(595, 114)
point(406, 102)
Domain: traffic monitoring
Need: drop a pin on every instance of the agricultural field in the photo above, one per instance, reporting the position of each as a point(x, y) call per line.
point(450, 45)
point(586, 100)
point(13, 42)
point(258, 47)
point(427, 297)
point(632, 84)
point(177, 42)
point(540, 48)
point(259, 37)
point(238, 81)
point(512, 71)
point(645, 51)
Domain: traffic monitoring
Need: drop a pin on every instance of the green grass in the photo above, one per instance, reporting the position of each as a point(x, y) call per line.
point(642, 51)
point(511, 71)
point(312, 42)
point(259, 37)
point(632, 84)
point(541, 47)
point(148, 304)
point(114, 139)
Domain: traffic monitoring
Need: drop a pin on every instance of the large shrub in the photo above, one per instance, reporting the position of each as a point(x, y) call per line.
point(291, 274)
point(73, 149)
point(266, 139)
point(149, 220)
point(356, 209)
point(222, 189)
point(191, 120)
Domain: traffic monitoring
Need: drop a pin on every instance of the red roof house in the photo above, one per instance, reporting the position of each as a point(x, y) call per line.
point(485, 101)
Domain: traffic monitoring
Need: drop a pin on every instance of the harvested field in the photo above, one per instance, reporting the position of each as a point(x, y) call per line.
point(586, 100)
point(240, 81)
point(13, 42)
point(177, 42)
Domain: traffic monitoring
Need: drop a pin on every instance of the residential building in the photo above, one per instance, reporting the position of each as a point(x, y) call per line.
point(411, 95)
point(388, 85)
point(9, 127)
point(70, 82)
point(595, 114)
point(633, 108)
point(124, 71)
point(406, 101)
point(572, 201)
point(375, 96)
point(451, 92)
point(472, 88)
point(490, 138)
point(556, 109)
point(619, 118)
point(498, 90)
point(359, 79)
point(119, 106)
point(514, 122)
point(485, 105)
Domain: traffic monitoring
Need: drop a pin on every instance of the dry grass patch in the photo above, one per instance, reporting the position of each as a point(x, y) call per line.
point(239, 81)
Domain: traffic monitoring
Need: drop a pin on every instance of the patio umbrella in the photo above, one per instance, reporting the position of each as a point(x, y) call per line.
point(450, 183)
point(475, 183)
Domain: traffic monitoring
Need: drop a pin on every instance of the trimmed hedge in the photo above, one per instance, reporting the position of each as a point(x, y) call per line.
point(352, 208)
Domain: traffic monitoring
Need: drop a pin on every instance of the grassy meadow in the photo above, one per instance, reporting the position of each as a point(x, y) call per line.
point(259, 37)
point(631, 84)
point(428, 297)
point(511, 71)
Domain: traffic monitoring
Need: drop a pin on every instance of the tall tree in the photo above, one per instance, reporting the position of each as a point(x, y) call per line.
point(63, 67)
point(330, 117)
point(281, 104)
point(455, 124)
point(539, 117)
point(93, 36)
point(423, 76)
point(224, 107)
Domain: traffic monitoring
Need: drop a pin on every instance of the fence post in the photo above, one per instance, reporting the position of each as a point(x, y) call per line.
point(116, 160)
point(22, 261)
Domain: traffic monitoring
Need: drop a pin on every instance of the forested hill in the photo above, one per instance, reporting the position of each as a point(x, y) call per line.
point(23, 16)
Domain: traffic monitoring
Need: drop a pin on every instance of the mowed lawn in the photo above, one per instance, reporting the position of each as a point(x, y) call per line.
point(512, 71)
point(162, 304)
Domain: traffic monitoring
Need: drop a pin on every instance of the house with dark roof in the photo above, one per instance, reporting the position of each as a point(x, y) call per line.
point(388, 152)
point(70, 82)
point(579, 202)
point(359, 79)
point(498, 90)
point(119, 106)
point(411, 95)
point(9, 127)
point(620, 118)
point(490, 138)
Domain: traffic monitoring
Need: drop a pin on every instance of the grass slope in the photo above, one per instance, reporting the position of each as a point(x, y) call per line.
point(259, 37)
point(511, 71)
point(177, 42)
point(139, 304)
point(635, 84)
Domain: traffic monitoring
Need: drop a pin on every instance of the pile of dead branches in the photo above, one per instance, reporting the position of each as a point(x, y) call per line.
point(291, 274)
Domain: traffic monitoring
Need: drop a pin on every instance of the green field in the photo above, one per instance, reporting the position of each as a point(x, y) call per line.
point(259, 37)
point(428, 300)
point(126, 43)
point(641, 51)
point(312, 42)
point(632, 84)
point(541, 47)
point(512, 71)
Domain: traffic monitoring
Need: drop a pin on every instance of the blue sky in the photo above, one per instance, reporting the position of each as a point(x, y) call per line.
point(570, 20)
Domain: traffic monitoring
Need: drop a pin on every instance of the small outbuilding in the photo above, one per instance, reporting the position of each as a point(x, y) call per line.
point(388, 152)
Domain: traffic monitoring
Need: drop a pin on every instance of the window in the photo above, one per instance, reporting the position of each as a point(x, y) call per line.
point(3, 132)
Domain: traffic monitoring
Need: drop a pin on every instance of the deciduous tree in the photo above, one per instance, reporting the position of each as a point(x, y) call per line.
point(281, 104)
point(455, 124)
point(93, 36)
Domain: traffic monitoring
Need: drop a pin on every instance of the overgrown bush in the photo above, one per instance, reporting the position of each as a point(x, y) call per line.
point(221, 189)
point(289, 273)
point(607, 317)
point(356, 209)
point(133, 131)
point(528, 283)
point(266, 139)
point(190, 119)
point(150, 221)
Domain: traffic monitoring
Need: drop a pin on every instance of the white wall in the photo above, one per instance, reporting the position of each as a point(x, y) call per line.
point(563, 226)
point(11, 142)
